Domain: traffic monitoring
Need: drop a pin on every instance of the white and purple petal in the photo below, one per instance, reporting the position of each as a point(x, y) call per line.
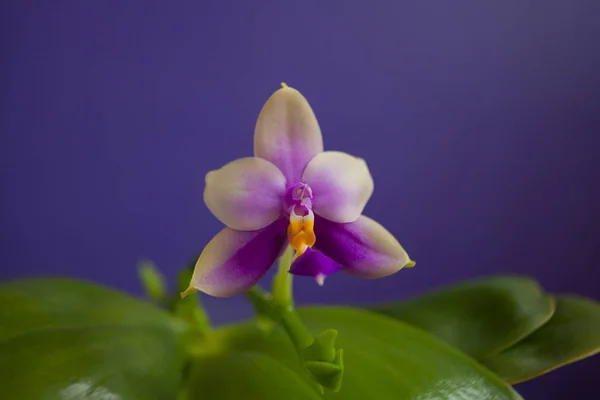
point(287, 133)
point(245, 194)
point(363, 248)
point(234, 261)
point(341, 185)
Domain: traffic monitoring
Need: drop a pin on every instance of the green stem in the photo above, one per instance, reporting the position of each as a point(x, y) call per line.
point(261, 301)
point(190, 307)
point(287, 317)
point(279, 307)
point(295, 328)
point(282, 283)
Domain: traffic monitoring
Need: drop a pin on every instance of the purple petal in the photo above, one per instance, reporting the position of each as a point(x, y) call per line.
point(315, 264)
point(246, 194)
point(287, 133)
point(234, 261)
point(341, 185)
point(364, 248)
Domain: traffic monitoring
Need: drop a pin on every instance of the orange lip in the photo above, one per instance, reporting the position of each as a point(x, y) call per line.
point(300, 232)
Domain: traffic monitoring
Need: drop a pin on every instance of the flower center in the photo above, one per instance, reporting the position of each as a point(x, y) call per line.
point(298, 203)
point(298, 195)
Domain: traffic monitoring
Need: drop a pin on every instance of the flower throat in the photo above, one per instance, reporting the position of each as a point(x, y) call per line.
point(300, 232)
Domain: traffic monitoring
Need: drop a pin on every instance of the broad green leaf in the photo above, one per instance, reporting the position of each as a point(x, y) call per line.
point(62, 339)
point(384, 359)
point(247, 375)
point(244, 361)
point(572, 334)
point(480, 317)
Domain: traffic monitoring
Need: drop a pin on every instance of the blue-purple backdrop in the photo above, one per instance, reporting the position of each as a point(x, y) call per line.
point(480, 121)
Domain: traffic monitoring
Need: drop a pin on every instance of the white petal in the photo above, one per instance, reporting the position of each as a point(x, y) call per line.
point(287, 133)
point(245, 194)
point(341, 185)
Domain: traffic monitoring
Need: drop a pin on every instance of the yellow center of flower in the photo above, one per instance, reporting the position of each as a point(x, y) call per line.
point(300, 231)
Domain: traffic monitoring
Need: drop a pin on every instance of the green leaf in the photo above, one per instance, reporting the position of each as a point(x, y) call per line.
point(480, 317)
point(62, 339)
point(246, 362)
point(383, 359)
point(572, 334)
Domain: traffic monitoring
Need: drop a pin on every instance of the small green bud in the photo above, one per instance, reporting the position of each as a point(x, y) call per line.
point(328, 374)
point(152, 281)
point(323, 347)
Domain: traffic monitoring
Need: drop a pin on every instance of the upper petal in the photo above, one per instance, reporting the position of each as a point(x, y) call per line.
point(364, 248)
point(234, 261)
point(287, 133)
point(341, 185)
point(245, 194)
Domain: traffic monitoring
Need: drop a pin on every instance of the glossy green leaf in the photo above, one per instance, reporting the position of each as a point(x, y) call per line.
point(573, 333)
point(62, 339)
point(244, 361)
point(383, 359)
point(247, 375)
point(481, 317)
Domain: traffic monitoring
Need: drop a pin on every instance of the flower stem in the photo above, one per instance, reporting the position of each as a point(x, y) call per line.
point(314, 353)
point(297, 331)
point(279, 306)
point(190, 308)
point(285, 316)
point(282, 283)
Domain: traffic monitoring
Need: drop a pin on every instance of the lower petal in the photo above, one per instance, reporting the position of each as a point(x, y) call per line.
point(364, 248)
point(234, 261)
point(315, 264)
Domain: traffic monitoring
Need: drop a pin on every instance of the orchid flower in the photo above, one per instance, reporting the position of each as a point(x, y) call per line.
point(292, 193)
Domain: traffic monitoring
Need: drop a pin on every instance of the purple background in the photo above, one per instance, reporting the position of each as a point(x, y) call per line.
point(480, 121)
